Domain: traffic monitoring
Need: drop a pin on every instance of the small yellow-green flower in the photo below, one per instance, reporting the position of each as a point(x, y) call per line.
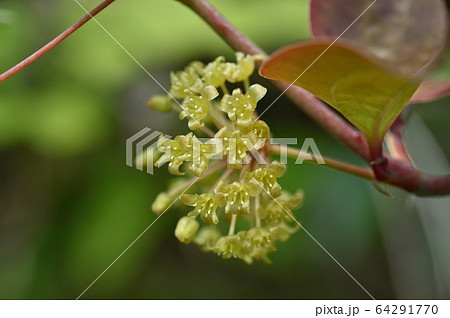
point(201, 153)
point(238, 196)
point(175, 152)
point(232, 246)
point(259, 129)
point(235, 145)
point(214, 72)
point(206, 205)
point(185, 149)
point(262, 252)
point(256, 243)
point(196, 106)
point(280, 210)
point(267, 178)
point(261, 242)
point(285, 231)
point(261, 237)
point(189, 80)
point(244, 67)
point(240, 107)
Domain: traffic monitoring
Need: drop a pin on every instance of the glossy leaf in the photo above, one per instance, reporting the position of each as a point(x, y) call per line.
point(405, 33)
point(368, 95)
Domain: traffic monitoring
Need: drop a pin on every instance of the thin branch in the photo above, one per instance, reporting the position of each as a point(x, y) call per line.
point(403, 175)
point(362, 172)
point(223, 177)
point(214, 168)
point(50, 45)
point(256, 210)
point(307, 102)
point(208, 131)
point(232, 224)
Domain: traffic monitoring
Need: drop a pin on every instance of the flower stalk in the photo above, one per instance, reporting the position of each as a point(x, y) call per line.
point(362, 172)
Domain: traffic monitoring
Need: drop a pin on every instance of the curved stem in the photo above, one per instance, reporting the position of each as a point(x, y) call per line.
point(402, 174)
point(246, 84)
point(224, 175)
point(50, 45)
point(362, 172)
point(224, 89)
point(307, 102)
point(256, 207)
point(219, 119)
point(208, 131)
point(232, 224)
point(215, 168)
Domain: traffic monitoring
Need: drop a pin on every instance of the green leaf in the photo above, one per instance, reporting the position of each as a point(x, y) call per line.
point(369, 95)
point(407, 33)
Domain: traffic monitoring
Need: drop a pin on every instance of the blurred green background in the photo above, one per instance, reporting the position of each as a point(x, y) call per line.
point(69, 205)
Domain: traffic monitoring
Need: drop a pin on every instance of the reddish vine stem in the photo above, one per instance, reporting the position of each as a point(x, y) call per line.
point(358, 171)
point(306, 101)
point(50, 45)
point(392, 171)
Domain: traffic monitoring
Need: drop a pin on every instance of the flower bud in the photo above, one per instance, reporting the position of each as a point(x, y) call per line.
point(161, 203)
point(161, 103)
point(186, 229)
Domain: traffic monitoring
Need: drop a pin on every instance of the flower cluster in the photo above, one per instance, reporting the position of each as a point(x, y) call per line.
point(246, 195)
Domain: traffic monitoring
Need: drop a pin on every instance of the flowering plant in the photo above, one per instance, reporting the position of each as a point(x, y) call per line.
point(246, 191)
